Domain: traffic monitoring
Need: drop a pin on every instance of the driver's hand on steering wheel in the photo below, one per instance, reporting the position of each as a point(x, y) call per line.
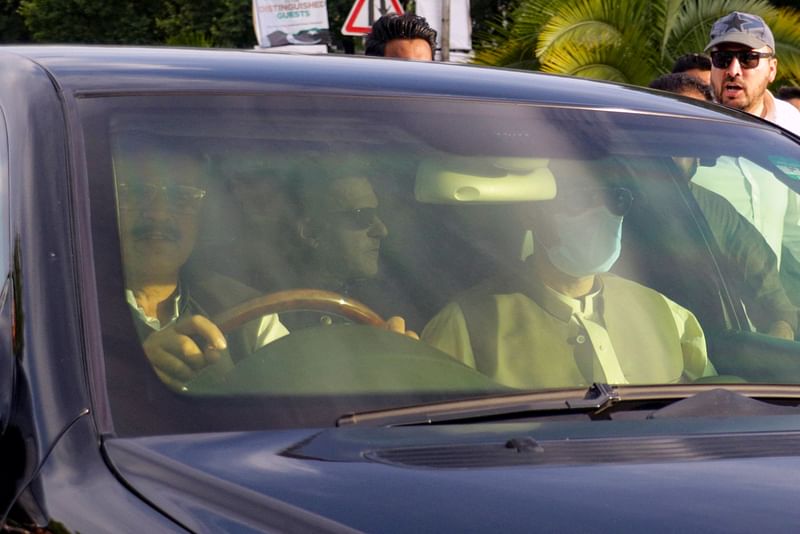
point(179, 351)
point(398, 324)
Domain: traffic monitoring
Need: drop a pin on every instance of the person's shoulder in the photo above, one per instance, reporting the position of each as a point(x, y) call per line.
point(614, 284)
point(499, 284)
point(710, 202)
point(786, 107)
point(216, 290)
point(787, 116)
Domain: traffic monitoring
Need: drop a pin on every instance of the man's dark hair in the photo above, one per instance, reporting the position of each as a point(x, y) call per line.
point(692, 61)
point(788, 92)
point(393, 26)
point(678, 82)
point(310, 184)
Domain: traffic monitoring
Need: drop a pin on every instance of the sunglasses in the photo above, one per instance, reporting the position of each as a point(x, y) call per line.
point(618, 200)
point(182, 198)
point(359, 218)
point(748, 59)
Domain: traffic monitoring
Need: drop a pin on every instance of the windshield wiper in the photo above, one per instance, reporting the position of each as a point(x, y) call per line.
point(598, 398)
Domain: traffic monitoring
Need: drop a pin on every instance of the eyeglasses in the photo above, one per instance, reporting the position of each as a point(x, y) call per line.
point(359, 218)
point(748, 59)
point(618, 200)
point(183, 198)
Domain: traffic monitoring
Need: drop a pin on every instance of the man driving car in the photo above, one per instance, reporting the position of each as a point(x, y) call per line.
point(160, 191)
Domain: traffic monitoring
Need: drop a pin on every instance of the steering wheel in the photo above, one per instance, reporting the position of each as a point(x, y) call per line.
point(297, 299)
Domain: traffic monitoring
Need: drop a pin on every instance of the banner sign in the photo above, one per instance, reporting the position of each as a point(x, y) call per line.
point(290, 22)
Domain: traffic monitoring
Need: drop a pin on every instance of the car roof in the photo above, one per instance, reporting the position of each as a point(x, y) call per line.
point(116, 69)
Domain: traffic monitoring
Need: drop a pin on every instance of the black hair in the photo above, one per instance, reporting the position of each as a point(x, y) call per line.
point(679, 82)
point(310, 184)
point(393, 26)
point(787, 92)
point(692, 61)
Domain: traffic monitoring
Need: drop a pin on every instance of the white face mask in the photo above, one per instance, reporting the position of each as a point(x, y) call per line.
point(589, 243)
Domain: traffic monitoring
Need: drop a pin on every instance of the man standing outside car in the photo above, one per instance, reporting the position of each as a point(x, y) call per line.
point(695, 65)
point(743, 64)
point(406, 36)
point(749, 254)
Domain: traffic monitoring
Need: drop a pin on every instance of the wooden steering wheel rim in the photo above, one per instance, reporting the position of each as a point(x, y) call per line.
point(297, 299)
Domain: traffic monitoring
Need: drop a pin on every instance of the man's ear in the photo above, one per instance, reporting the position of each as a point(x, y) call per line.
point(307, 232)
point(773, 69)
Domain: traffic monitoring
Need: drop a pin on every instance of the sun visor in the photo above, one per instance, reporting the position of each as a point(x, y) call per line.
point(483, 180)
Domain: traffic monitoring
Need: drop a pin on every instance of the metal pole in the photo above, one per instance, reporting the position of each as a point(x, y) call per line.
point(445, 37)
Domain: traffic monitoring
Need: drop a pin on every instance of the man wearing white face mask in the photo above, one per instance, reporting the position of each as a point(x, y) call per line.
point(563, 321)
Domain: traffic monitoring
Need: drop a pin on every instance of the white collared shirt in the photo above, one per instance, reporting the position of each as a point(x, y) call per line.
point(264, 331)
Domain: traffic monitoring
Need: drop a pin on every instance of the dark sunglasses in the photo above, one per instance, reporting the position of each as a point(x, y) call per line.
point(359, 218)
point(618, 200)
point(748, 59)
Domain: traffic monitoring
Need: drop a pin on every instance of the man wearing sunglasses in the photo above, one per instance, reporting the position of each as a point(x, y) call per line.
point(339, 225)
point(341, 230)
point(743, 63)
point(749, 254)
point(160, 194)
point(562, 320)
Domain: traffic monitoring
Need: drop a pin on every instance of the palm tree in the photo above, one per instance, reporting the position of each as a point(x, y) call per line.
point(631, 41)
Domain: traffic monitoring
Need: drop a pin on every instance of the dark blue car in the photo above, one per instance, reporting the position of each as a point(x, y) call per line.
point(250, 292)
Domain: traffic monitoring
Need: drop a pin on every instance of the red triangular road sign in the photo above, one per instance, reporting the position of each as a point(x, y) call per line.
point(359, 22)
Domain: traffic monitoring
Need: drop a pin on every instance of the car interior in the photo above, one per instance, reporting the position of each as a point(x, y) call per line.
point(454, 181)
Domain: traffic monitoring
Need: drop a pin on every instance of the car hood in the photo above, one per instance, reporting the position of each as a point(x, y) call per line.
point(720, 474)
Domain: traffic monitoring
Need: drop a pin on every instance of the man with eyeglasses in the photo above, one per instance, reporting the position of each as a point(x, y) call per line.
point(561, 320)
point(160, 194)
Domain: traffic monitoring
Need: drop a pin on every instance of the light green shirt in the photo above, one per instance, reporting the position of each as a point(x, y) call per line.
point(536, 338)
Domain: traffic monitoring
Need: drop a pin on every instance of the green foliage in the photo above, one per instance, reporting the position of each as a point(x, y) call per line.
point(631, 41)
point(218, 23)
point(337, 13)
point(490, 17)
point(204, 23)
point(12, 25)
point(214, 23)
point(91, 21)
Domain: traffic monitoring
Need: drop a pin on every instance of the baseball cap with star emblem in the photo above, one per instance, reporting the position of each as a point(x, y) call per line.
point(742, 28)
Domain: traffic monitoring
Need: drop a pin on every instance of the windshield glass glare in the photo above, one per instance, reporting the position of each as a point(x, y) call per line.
point(280, 261)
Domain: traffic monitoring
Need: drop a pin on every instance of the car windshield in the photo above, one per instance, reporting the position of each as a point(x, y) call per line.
point(250, 252)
